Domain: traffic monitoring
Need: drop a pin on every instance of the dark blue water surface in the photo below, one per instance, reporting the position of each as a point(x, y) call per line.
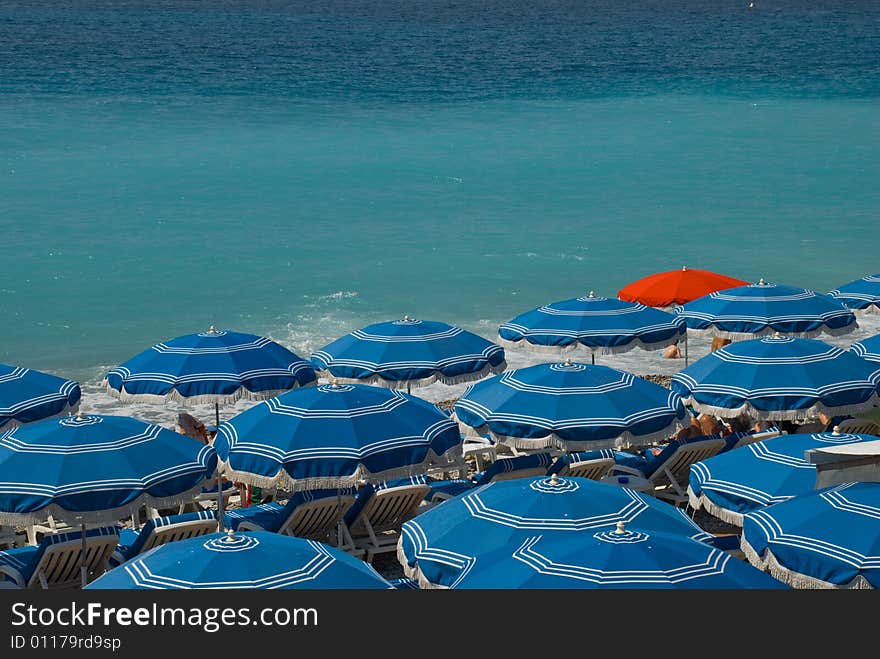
point(430, 50)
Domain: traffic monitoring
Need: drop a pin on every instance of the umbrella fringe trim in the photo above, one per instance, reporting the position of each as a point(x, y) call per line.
point(523, 344)
point(413, 572)
point(622, 441)
point(769, 564)
point(68, 410)
point(714, 509)
point(781, 415)
point(283, 480)
point(745, 336)
point(109, 516)
point(378, 380)
point(174, 396)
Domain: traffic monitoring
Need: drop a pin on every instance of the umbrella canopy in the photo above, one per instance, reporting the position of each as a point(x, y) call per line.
point(249, 559)
point(217, 366)
point(750, 478)
point(335, 435)
point(749, 311)
point(599, 324)
point(95, 469)
point(27, 395)
point(443, 544)
point(572, 406)
point(620, 558)
point(410, 352)
point(825, 539)
point(861, 295)
point(664, 289)
point(779, 378)
point(868, 348)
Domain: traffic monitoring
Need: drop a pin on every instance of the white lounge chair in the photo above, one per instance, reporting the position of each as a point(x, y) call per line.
point(859, 427)
point(668, 471)
point(584, 464)
point(312, 514)
point(481, 449)
point(372, 525)
point(56, 562)
point(160, 530)
point(739, 439)
point(207, 498)
point(523, 466)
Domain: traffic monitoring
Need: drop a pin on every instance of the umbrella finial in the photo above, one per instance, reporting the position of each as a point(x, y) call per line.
point(761, 281)
point(592, 294)
point(79, 415)
point(406, 316)
point(230, 536)
point(334, 383)
point(684, 268)
point(554, 480)
point(621, 529)
point(835, 430)
point(567, 361)
point(211, 330)
point(777, 335)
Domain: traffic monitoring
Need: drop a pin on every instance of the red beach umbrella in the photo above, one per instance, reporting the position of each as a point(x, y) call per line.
point(664, 289)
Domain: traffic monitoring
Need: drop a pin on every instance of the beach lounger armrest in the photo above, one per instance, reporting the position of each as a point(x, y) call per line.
point(117, 558)
point(628, 470)
point(14, 574)
point(246, 525)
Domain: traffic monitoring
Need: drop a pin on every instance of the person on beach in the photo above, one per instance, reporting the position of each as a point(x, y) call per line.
point(672, 351)
point(761, 425)
point(709, 425)
point(740, 423)
point(690, 431)
point(718, 342)
point(190, 426)
point(823, 423)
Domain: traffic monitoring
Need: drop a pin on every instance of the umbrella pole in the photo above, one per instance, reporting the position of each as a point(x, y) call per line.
point(84, 573)
point(219, 501)
point(339, 533)
point(592, 357)
point(219, 477)
point(685, 350)
point(408, 388)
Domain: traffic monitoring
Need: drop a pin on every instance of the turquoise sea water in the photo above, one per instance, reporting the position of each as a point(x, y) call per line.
point(299, 169)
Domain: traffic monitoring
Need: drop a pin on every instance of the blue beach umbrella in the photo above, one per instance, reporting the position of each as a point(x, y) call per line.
point(750, 478)
point(825, 539)
point(868, 348)
point(409, 353)
point(217, 366)
point(97, 469)
point(334, 436)
point(861, 295)
point(745, 312)
point(441, 546)
point(621, 558)
point(599, 324)
point(27, 395)
point(779, 378)
point(249, 560)
point(572, 406)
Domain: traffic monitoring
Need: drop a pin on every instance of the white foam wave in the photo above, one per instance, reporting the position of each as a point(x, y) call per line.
point(325, 328)
point(339, 295)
